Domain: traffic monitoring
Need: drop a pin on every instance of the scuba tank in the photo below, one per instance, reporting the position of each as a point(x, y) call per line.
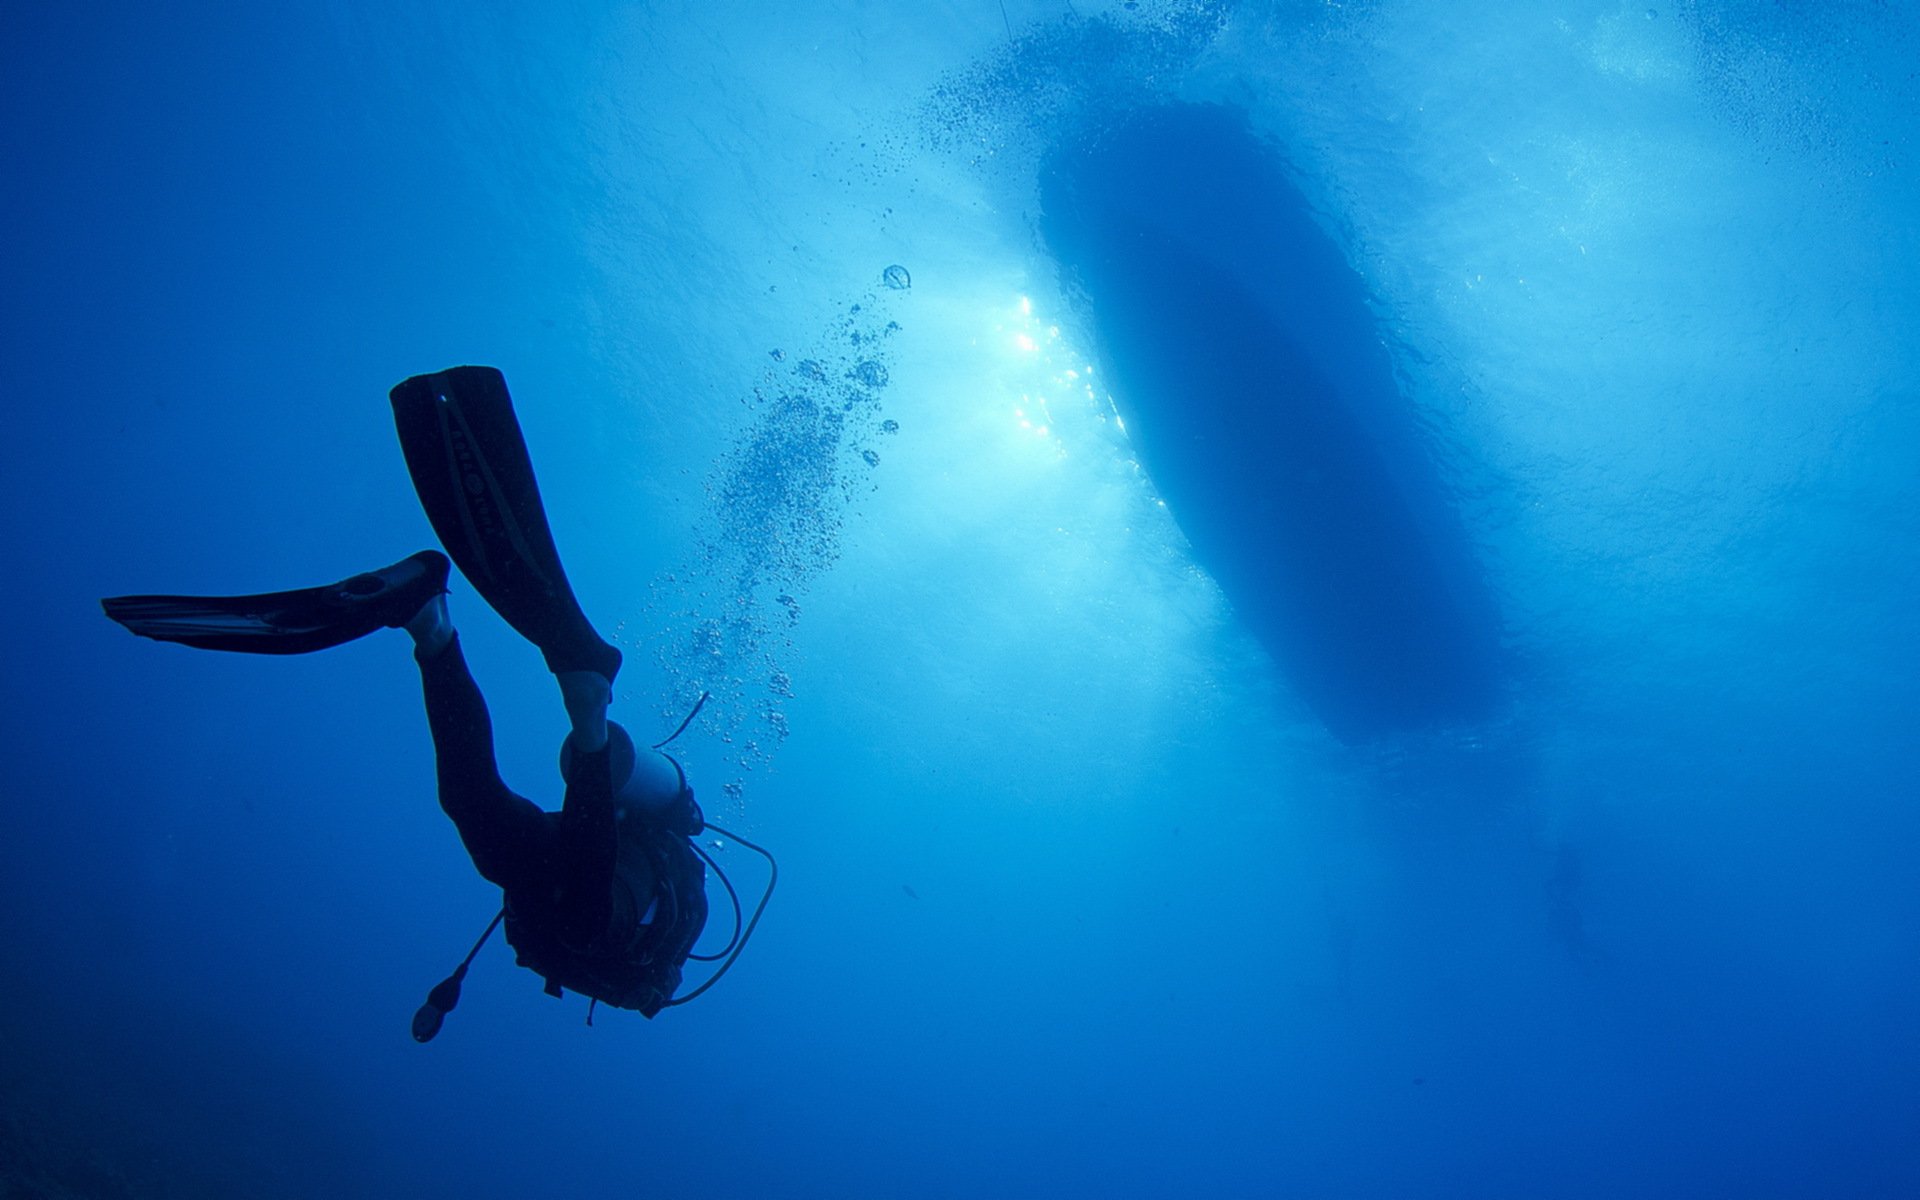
point(649, 786)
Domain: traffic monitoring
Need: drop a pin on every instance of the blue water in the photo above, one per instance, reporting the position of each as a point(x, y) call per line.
point(1080, 895)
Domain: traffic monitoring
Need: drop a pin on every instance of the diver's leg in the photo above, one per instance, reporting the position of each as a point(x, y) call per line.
point(586, 842)
point(561, 863)
point(586, 695)
point(511, 840)
point(587, 835)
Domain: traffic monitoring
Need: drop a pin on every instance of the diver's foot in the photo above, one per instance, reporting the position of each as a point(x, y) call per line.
point(606, 663)
point(586, 652)
point(431, 628)
point(396, 595)
point(586, 695)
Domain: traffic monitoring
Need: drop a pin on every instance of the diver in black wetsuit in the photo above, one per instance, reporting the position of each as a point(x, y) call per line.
point(606, 896)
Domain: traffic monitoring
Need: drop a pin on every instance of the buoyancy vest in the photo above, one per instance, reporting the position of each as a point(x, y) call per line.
point(659, 909)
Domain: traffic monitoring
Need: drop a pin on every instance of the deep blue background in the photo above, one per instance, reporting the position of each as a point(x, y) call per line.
point(1078, 896)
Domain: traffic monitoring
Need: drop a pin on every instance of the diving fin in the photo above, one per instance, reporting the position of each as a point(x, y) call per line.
point(295, 622)
point(470, 466)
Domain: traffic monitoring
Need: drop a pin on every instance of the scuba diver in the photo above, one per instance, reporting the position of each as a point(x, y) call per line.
point(607, 896)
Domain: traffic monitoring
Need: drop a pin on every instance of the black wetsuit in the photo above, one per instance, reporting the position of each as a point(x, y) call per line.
point(553, 865)
point(607, 907)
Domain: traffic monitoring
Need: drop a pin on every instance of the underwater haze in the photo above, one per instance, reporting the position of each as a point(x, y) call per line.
point(1316, 599)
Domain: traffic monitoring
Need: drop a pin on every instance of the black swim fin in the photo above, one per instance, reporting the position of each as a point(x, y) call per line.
point(295, 622)
point(470, 466)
